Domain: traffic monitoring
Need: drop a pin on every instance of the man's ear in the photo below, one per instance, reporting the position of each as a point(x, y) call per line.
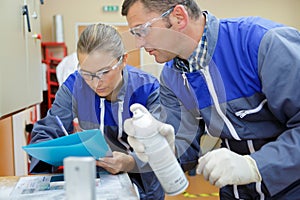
point(179, 17)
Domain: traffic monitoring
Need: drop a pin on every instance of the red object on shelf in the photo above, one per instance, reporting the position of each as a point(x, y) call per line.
point(53, 53)
point(37, 36)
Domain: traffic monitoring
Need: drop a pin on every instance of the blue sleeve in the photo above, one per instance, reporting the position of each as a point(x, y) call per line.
point(279, 70)
point(187, 128)
point(47, 128)
point(153, 101)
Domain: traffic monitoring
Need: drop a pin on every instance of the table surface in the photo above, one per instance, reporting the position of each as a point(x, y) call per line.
point(108, 187)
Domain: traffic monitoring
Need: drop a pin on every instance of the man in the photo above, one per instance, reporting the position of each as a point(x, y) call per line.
point(241, 76)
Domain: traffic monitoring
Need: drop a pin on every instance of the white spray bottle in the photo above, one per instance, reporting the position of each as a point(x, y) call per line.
point(160, 156)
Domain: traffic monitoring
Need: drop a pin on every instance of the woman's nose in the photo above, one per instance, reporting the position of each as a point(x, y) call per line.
point(97, 81)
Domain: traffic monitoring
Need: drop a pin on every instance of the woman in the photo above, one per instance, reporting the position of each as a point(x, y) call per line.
point(99, 95)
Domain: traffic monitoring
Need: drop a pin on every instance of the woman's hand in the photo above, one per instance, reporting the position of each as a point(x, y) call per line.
point(119, 162)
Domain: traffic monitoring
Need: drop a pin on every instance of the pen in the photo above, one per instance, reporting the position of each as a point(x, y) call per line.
point(61, 125)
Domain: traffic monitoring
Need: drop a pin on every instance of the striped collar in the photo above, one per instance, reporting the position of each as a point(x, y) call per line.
point(197, 59)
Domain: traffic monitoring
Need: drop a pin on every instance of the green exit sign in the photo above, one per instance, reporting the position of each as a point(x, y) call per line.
point(110, 8)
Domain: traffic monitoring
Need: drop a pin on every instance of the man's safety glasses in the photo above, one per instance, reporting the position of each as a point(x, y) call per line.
point(143, 29)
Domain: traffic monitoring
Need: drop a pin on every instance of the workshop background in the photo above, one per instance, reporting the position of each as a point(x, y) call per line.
point(43, 32)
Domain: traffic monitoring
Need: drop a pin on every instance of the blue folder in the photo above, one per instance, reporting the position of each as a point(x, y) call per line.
point(86, 143)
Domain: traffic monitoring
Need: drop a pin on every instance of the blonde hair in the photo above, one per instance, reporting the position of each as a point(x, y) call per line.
point(101, 37)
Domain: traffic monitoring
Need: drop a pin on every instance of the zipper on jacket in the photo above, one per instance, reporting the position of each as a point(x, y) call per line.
point(185, 81)
point(214, 96)
point(243, 113)
point(102, 112)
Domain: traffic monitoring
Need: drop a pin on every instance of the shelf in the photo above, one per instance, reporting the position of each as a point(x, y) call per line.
point(52, 83)
point(51, 70)
point(52, 60)
point(53, 53)
point(53, 44)
point(52, 96)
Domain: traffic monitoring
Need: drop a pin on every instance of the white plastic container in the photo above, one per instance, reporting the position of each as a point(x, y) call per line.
point(160, 156)
point(80, 178)
point(58, 28)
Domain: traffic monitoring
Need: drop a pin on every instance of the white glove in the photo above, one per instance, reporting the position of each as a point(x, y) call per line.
point(223, 167)
point(165, 130)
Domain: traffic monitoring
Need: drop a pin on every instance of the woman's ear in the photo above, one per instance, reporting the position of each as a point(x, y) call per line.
point(124, 60)
point(179, 17)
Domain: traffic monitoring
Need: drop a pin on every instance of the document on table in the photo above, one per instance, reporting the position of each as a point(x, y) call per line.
point(108, 187)
point(37, 187)
point(86, 143)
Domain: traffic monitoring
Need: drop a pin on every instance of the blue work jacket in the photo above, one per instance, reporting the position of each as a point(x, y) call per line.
point(247, 93)
point(75, 99)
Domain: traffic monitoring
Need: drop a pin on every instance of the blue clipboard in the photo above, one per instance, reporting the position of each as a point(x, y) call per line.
point(86, 143)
